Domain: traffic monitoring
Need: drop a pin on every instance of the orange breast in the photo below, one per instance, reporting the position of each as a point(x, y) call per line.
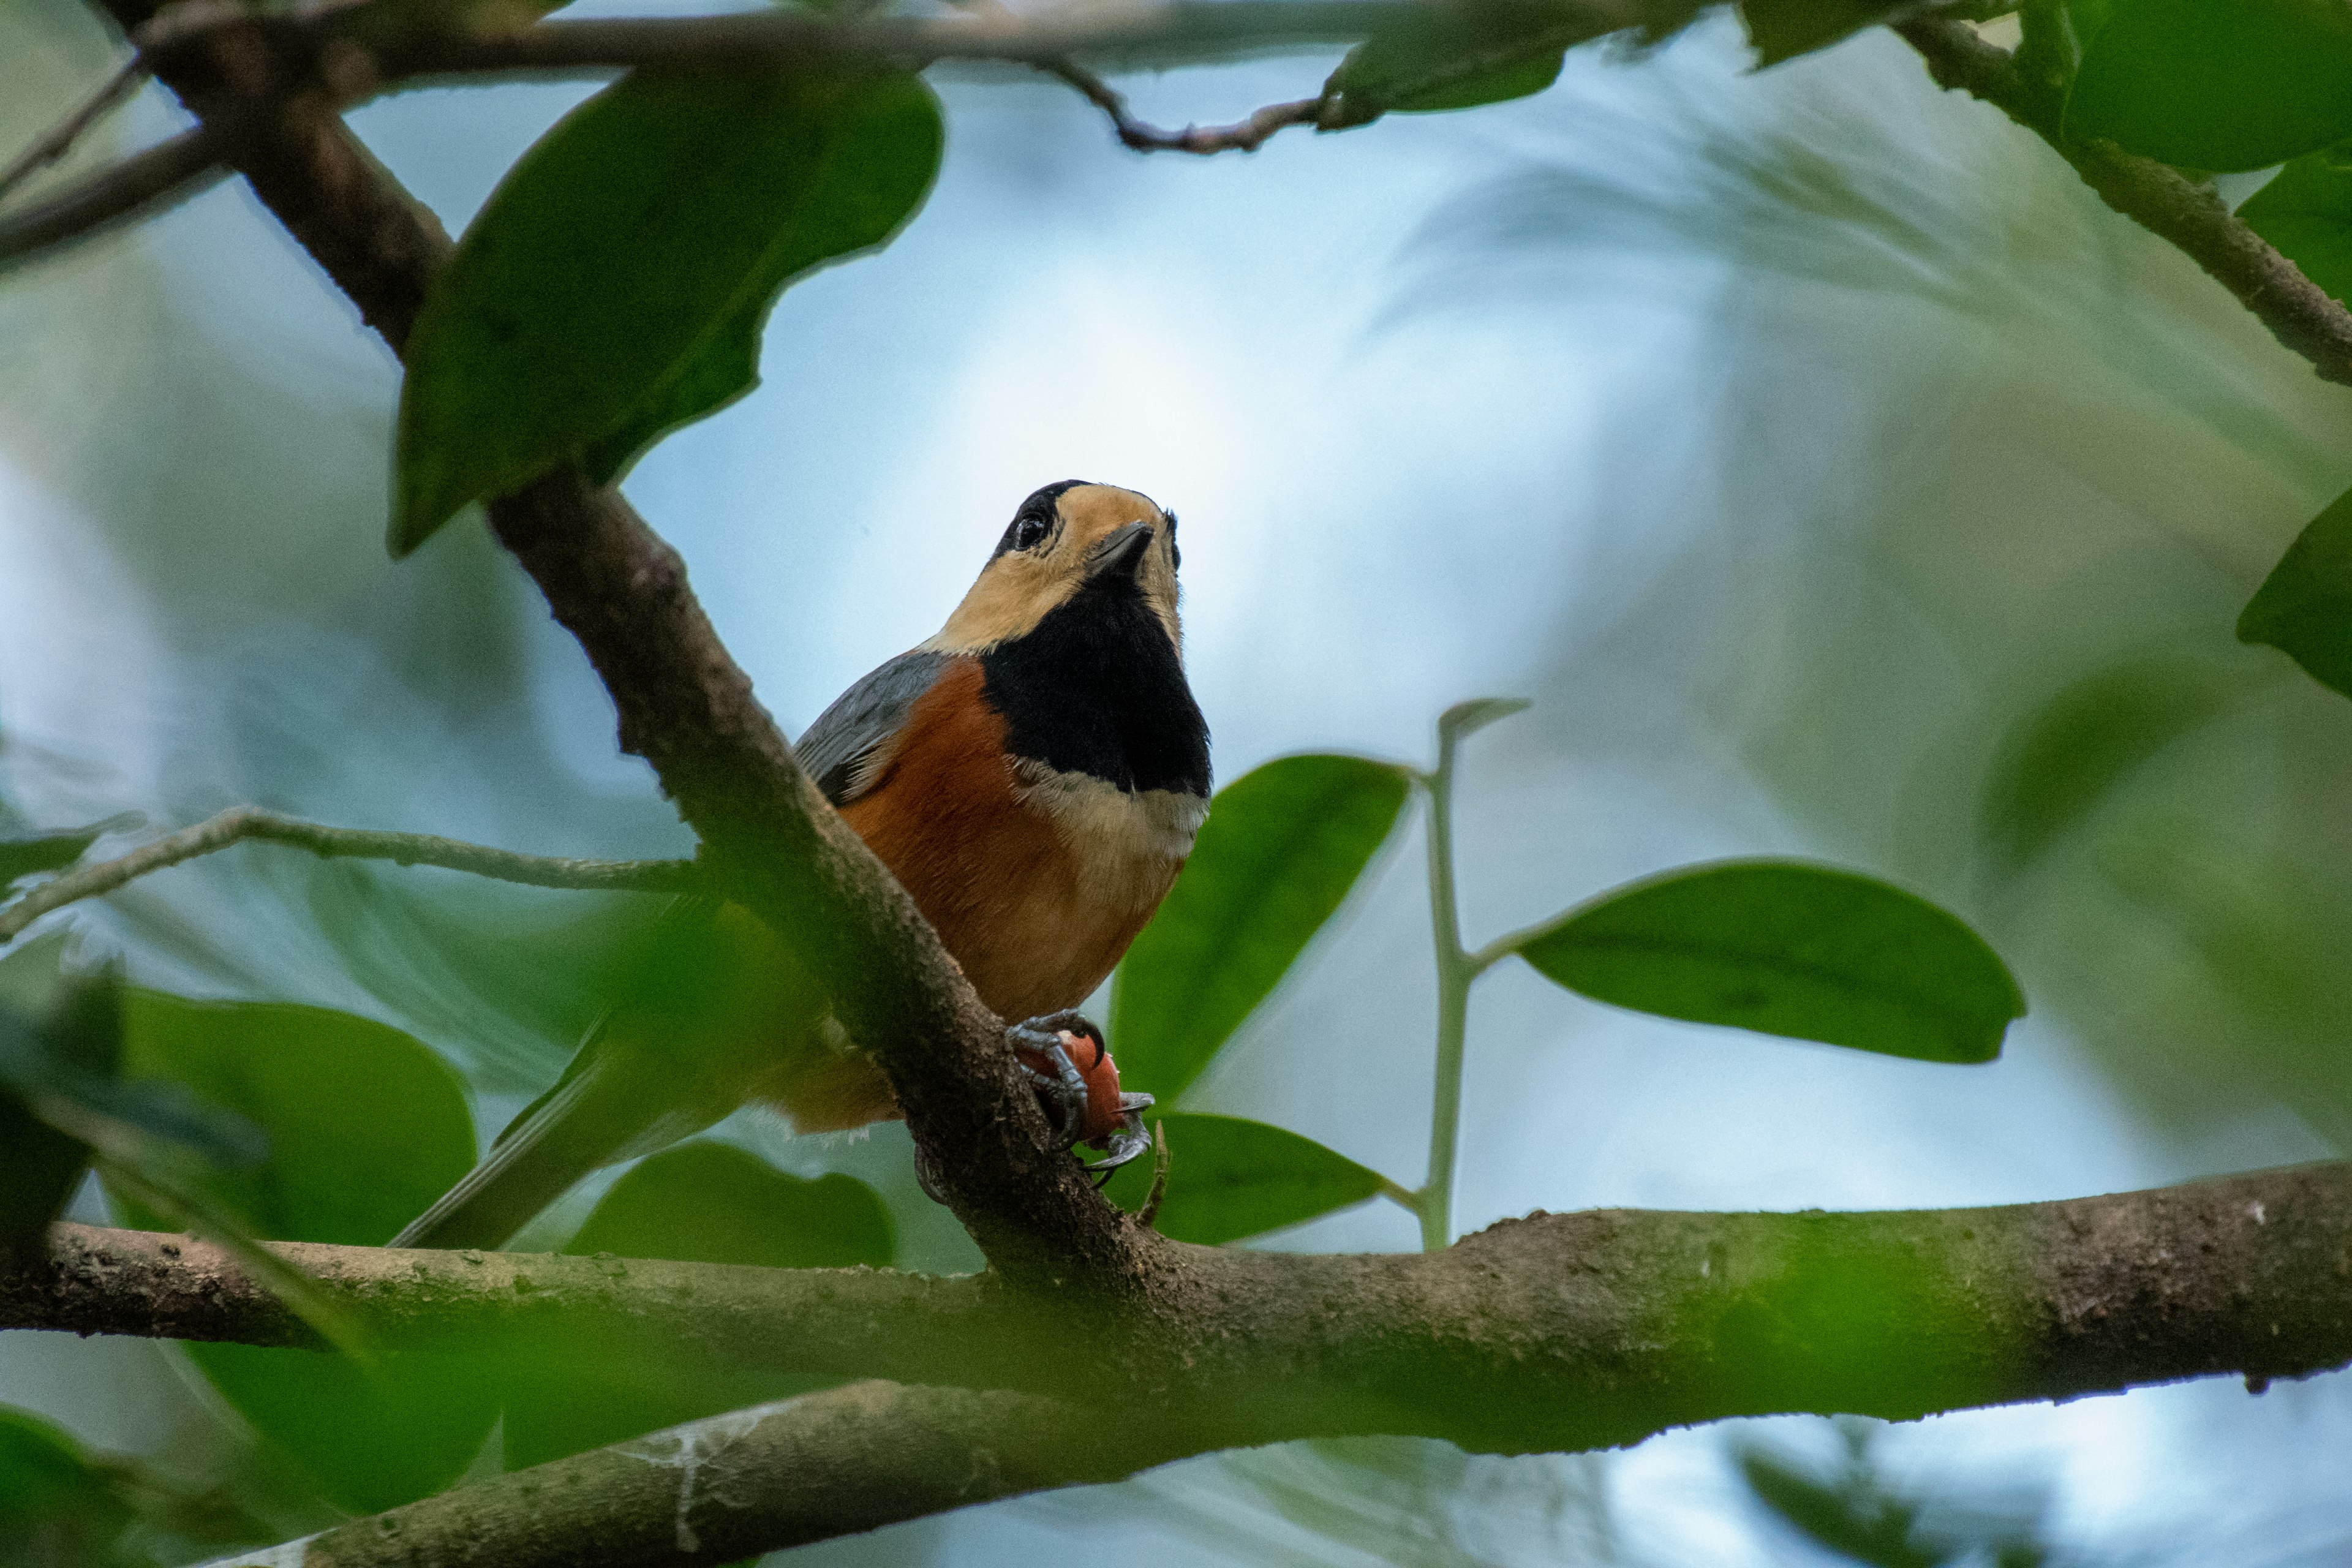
point(1021, 904)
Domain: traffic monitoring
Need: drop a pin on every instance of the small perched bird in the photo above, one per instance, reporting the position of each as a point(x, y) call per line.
point(1034, 776)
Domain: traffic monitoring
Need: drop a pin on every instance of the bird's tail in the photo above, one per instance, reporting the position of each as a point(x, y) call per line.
point(714, 1005)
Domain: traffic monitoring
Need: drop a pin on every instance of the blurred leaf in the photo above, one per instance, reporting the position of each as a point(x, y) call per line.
point(2217, 84)
point(1229, 1178)
point(1468, 718)
point(60, 1047)
point(1281, 847)
point(366, 1127)
point(2303, 608)
point(713, 1203)
point(42, 852)
point(2306, 212)
point(614, 286)
point(1853, 1509)
point(59, 1508)
point(699, 1203)
point(2060, 760)
point(1783, 29)
point(1784, 948)
point(1484, 54)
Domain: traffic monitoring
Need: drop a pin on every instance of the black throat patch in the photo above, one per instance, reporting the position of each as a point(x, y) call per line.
point(1097, 688)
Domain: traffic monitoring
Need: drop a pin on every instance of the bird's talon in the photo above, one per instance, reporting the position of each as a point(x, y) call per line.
point(1125, 1143)
point(1042, 1052)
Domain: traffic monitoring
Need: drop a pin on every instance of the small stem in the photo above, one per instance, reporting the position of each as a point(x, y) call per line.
point(243, 822)
point(1454, 976)
point(1456, 970)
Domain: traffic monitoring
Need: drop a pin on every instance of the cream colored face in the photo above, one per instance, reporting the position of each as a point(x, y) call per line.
point(1017, 588)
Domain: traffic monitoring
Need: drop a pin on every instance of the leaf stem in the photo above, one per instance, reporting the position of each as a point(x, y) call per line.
point(1456, 970)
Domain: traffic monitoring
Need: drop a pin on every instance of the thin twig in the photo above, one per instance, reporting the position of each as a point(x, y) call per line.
point(1149, 1213)
point(240, 823)
point(1244, 136)
point(58, 140)
point(2159, 198)
point(169, 171)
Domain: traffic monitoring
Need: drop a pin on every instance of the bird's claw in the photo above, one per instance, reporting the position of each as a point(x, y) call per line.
point(1066, 1091)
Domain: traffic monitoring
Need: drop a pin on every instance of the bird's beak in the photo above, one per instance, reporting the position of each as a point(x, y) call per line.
point(1121, 551)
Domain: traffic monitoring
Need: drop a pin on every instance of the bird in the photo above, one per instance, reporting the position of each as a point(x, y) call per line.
point(1034, 775)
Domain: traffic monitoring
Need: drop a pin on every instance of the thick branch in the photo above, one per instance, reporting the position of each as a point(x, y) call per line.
point(1554, 1332)
point(836, 1463)
point(2161, 199)
point(241, 822)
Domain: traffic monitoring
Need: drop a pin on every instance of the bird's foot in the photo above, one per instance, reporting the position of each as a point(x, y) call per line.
point(1063, 1056)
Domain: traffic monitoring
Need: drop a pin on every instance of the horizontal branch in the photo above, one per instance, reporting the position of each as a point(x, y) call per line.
point(1553, 1333)
point(138, 186)
point(730, 1488)
point(242, 823)
point(2189, 214)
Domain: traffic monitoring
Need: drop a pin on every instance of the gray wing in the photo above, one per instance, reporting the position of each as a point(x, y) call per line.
point(860, 720)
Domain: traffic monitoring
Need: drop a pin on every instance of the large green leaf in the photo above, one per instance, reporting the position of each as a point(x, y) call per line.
point(1786, 947)
point(366, 1127)
point(2303, 608)
point(2306, 212)
point(2217, 84)
point(1229, 1178)
point(699, 1203)
point(1424, 70)
point(2056, 766)
point(1783, 29)
point(1281, 847)
point(614, 285)
point(57, 1504)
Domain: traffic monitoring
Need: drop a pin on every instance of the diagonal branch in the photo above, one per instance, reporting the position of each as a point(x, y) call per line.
point(136, 188)
point(2187, 213)
point(241, 823)
point(768, 836)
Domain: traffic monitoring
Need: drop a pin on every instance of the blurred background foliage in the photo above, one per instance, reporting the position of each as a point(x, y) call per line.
point(1837, 475)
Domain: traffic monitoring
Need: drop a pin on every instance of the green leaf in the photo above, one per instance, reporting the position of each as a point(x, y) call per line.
point(2303, 608)
point(699, 1203)
point(1487, 55)
point(1229, 1178)
point(1785, 948)
point(1279, 851)
point(42, 852)
point(2062, 761)
point(1783, 29)
point(2217, 84)
point(2306, 212)
point(366, 1127)
point(614, 285)
point(58, 1505)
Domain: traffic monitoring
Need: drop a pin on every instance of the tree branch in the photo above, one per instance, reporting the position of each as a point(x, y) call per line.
point(136, 188)
point(2161, 199)
point(239, 823)
point(1244, 136)
point(59, 139)
point(836, 1463)
point(1552, 1332)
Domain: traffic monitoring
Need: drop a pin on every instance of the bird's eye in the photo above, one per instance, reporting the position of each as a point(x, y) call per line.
point(1028, 532)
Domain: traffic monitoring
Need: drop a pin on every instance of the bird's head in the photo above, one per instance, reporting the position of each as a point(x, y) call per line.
point(1071, 543)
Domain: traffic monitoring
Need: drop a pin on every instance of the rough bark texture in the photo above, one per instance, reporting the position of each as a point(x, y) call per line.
point(720, 1490)
point(1556, 1332)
